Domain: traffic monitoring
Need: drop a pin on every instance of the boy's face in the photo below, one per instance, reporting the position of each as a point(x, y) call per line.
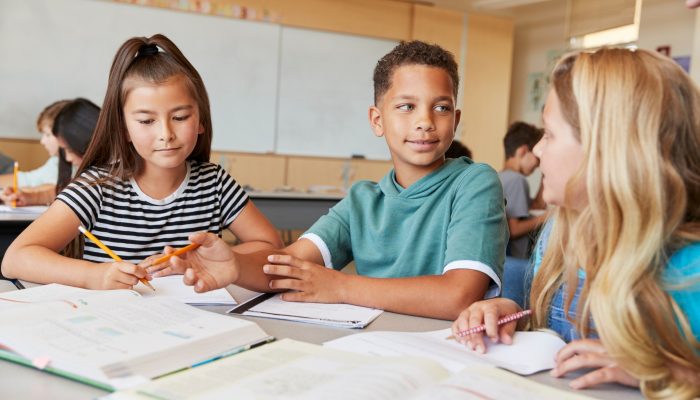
point(417, 117)
point(527, 160)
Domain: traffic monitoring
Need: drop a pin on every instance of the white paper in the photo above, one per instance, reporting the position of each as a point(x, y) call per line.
point(36, 210)
point(339, 315)
point(172, 286)
point(530, 352)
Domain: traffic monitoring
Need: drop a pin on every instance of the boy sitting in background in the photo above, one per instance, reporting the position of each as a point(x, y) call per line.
point(427, 240)
point(520, 162)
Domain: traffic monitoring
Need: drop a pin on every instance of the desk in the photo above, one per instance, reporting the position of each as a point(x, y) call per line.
point(292, 210)
point(21, 382)
point(11, 225)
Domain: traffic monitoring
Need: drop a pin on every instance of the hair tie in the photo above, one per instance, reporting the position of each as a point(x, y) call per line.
point(147, 50)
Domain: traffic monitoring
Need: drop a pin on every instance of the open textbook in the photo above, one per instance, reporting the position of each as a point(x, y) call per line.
point(114, 339)
point(289, 369)
point(530, 352)
point(270, 305)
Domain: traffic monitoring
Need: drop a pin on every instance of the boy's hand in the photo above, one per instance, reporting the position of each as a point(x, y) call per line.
point(117, 275)
point(211, 266)
point(307, 281)
point(590, 354)
point(486, 312)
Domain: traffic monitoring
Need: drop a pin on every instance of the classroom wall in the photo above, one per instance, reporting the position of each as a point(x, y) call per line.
point(482, 45)
point(663, 22)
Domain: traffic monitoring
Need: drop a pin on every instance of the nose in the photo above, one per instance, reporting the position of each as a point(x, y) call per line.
point(537, 150)
point(424, 120)
point(166, 133)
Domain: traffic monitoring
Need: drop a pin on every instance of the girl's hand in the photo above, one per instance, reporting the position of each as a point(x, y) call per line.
point(117, 275)
point(8, 196)
point(307, 281)
point(486, 312)
point(211, 266)
point(165, 268)
point(590, 354)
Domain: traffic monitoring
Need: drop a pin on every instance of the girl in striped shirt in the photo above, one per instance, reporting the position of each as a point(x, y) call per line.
point(145, 182)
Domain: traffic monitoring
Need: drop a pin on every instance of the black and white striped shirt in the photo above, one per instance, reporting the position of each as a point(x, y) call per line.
point(136, 226)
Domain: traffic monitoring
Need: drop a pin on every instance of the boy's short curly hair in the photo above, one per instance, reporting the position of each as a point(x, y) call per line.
point(410, 53)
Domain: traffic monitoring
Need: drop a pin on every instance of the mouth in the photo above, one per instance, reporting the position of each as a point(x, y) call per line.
point(167, 150)
point(423, 144)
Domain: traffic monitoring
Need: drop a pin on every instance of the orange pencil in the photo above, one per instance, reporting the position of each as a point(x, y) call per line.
point(177, 252)
point(109, 251)
point(15, 186)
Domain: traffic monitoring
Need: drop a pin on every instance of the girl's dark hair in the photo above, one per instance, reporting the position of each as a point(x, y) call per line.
point(75, 124)
point(154, 60)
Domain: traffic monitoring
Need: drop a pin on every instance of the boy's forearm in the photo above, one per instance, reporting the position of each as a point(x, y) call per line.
point(436, 296)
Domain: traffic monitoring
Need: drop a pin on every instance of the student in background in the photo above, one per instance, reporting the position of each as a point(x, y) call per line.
point(145, 181)
point(73, 127)
point(621, 254)
point(520, 162)
point(47, 173)
point(427, 240)
point(457, 149)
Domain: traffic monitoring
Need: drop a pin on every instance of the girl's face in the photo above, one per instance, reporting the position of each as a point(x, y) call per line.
point(559, 151)
point(71, 156)
point(49, 141)
point(163, 123)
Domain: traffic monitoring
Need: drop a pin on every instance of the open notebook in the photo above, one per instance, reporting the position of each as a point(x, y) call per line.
point(270, 305)
point(529, 353)
point(174, 287)
point(289, 369)
point(114, 339)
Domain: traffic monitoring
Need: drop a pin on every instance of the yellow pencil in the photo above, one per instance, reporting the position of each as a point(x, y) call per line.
point(15, 186)
point(177, 252)
point(107, 250)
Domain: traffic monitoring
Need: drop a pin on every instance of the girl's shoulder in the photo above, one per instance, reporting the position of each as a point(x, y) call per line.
point(685, 262)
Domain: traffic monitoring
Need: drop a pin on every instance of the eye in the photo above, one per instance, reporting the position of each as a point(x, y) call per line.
point(146, 121)
point(405, 107)
point(443, 108)
point(181, 117)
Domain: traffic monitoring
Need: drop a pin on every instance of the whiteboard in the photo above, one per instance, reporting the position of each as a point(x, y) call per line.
point(271, 88)
point(63, 49)
point(325, 93)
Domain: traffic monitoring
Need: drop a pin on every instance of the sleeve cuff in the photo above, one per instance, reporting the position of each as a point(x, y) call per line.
point(322, 247)
point(495, 286)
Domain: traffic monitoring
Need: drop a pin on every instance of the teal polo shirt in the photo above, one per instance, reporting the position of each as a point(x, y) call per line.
point(453, 218)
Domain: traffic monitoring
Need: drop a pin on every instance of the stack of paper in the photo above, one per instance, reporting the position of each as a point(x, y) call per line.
point(530, 352)
point(172, 286)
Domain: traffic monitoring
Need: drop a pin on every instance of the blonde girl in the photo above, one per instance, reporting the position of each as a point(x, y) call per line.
point(145, 182)
point(617, 268)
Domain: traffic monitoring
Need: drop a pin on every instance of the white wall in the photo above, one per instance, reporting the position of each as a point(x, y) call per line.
point(663, 22)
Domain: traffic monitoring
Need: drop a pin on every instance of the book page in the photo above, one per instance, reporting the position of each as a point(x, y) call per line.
point(530, 352)
point(492, 383)
point(172, 286)
point(340, 315)
point(36, 210)
point(290, 369)
point(99, 336)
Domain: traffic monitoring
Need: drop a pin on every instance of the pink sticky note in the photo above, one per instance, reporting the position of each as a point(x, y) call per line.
point(41, 362)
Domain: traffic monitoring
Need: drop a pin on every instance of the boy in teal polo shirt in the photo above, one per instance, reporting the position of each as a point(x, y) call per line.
point(427, 240)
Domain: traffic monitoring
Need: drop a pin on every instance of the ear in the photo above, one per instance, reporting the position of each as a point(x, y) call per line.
point(521, 151)
point(201, 129)
point(375, 121)
point(458, 115)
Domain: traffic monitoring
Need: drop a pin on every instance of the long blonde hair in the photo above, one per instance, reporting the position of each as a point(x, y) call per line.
point(637, 117)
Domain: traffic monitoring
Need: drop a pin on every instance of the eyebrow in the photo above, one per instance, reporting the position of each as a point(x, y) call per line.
point(178, 108)
point(409, 97)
